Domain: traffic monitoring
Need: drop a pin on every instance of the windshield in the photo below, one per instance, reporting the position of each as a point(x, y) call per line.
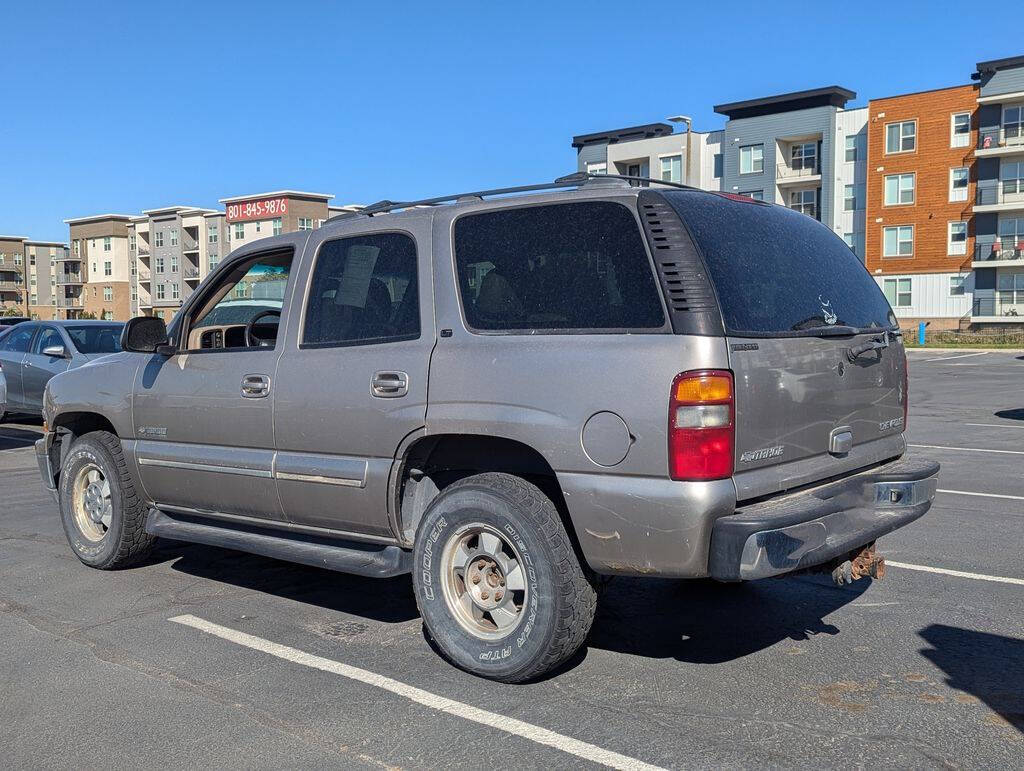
point(778, 272)
point(96, 338)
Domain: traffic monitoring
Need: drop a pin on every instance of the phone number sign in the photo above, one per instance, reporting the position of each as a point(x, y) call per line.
point(257, 209)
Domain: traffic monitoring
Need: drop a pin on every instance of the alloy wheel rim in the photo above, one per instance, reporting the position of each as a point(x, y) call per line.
point(91, 502)
point(484, 582)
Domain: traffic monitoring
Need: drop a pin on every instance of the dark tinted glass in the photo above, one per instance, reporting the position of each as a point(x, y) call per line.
point(18, 339)
point(575, 266)
point(96, 338)
point(47, 338)
point(364, 290)
point(779, 271)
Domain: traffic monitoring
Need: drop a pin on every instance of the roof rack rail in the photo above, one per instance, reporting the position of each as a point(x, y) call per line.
point(576, 179)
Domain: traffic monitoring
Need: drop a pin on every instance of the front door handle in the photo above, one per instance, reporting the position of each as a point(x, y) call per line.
point(389, 385)
point(255, 386)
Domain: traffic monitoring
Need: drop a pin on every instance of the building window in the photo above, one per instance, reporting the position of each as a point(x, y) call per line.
point(757, 195)
point(898, 241)
point(752, 159)
point(213, 260)
point(1006, 284)
point(158, 238)
point(1013, 122)
point(108, 293)
point(897, 292)
point(804, 156)
point(804, 201)
point(597, 168)
point(257, 226)
point(212, 234)
point(899, 189)
point(131, 242)
point(1011, 237)
point(33, 300)
point(672, 168)
point(1011, 179)
point(851, 148)
point(159, 266)
point(960, 129)
point(718, 165)
point(108, 315)
point(850, 242)
point(106, 243)
point(76, 248)
point(174, 236)
point(305, 223)
point(174, 263)
point(901, 137)
point(956, 286)
point(277, 226)
point(108, 268)
point(239, 231)
point(957, 238)
point(853, 197)
point(958, 184)
point(175, 292)
point(160, 291)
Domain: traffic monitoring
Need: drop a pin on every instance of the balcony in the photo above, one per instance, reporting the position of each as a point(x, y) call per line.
point(1006, 140)
point(70, 302)
point(999, 197)
point(1002, 309)
point(143, 274)
point(143, 251)
point(799, 171)
point(69, 278)
point(191, 274)
point(69, 257)
point(1006, 251)
point(11, 286)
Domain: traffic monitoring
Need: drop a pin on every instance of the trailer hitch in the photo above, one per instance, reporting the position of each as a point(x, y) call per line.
point(866, 562)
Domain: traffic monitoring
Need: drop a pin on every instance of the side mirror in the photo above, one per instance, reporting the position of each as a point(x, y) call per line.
point(145, 334)
point(55, 351)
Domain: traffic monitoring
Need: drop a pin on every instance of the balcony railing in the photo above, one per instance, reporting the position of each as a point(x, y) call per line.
point(797, 169)
point(11, 286)
point(191, 273)
point(1002, 193)
point(1003, 249)
point(1005, 136)
point(70, 302)
point(143, 274)
point(1003, 307)
point(143, 251)
point(69, 278)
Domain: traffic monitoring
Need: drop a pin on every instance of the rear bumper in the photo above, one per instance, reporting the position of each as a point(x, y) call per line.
point(807, 529)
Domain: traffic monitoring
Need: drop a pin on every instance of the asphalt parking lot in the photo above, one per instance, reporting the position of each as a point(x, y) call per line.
point(204, 657)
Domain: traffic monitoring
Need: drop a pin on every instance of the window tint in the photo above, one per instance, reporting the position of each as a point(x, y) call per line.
point(96, 338)
point(364, 290)
point(18, 339)
point(47, 337)
point(776, 271)
point(578, 266)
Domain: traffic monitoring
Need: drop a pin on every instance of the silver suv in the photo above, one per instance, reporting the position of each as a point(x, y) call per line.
point(509, 397)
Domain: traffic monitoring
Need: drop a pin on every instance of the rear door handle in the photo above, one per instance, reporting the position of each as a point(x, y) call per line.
point(389, 385)
point(255, 386)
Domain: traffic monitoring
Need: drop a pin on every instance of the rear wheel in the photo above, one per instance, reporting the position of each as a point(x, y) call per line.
point(499, 587)
point(103, 516)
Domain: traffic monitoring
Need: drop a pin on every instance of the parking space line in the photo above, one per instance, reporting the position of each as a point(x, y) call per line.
point(992, 425)
point(959, 356)
point(983, 495)
point(440, 703)
point(955, 573)
point(965, 449)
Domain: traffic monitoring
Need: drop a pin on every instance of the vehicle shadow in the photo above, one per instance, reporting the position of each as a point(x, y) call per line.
point(1014, 414)
point(706, 622)
point(989, 667)
point(16, 438)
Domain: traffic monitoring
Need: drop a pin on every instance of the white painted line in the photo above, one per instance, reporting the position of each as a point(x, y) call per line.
point(955, 573)
point(983, 495)
point(960, 356)
point(992, 425)
point(433, 701)
point(965, 449)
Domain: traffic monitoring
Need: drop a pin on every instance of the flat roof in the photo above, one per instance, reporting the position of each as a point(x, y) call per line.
point(646, 131)
point(828, 96)
point(998, 64)
point(46, 243)
point(277, 194)
point(97, 217)
point(169, 209)
point(13, 238)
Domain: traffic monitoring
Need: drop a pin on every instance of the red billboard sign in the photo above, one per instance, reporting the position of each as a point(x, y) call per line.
point(257, 209)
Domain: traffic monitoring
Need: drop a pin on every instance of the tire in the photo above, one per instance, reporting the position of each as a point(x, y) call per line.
point(468, 544)
point(116, 536)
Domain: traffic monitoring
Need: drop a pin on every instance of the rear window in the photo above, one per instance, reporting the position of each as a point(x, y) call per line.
point(562, 267)
point(779, 271)
point(96, 338)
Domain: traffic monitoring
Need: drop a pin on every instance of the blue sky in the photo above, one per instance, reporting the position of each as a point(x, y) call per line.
point(127, 106)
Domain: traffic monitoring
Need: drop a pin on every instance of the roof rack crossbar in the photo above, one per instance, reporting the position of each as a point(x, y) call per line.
point(576, 179)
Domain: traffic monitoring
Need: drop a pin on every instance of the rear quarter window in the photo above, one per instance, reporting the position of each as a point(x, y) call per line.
point(573, 267)
point(778, 271)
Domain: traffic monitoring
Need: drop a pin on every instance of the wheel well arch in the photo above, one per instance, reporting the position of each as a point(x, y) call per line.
point(432, 463)
point(69, 426)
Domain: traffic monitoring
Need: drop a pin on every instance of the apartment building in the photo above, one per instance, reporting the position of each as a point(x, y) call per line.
point(12, 275)
point(250, 217)
point(998, 255)
point(654, 150)
point(93, 277)
point(803, 150)
point(28, 276)
point(920, 192)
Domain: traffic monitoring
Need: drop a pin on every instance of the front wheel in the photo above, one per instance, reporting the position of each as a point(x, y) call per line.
point(497, 582)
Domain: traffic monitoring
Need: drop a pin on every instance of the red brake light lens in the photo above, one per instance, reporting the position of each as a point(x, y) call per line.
point(906, 390)
point(701, 426)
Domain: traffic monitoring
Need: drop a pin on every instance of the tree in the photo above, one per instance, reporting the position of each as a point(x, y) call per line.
point(11, 310)
point(87, 315)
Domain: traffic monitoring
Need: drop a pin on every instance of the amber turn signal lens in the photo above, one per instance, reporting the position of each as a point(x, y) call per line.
point(703, 389)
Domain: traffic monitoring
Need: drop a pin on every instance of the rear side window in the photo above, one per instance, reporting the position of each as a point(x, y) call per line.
point(364, 290)
point(576, 266)
point(778, 271)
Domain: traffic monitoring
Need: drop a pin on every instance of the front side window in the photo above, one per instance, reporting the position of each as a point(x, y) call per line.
point(576, 266)
point(956, 286)
point(752, 159)
point(957, 238)
point(47, 338)
point(672, 168)
point(899, 189)
point(364, 290)
point(960, 129)
point(898, 241)
point(901, 137)
point(897, 292)
point(95, 338)
point(958, 184)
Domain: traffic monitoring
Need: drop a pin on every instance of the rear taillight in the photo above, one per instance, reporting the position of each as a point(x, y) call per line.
point(906, 390)
point(701, 426)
